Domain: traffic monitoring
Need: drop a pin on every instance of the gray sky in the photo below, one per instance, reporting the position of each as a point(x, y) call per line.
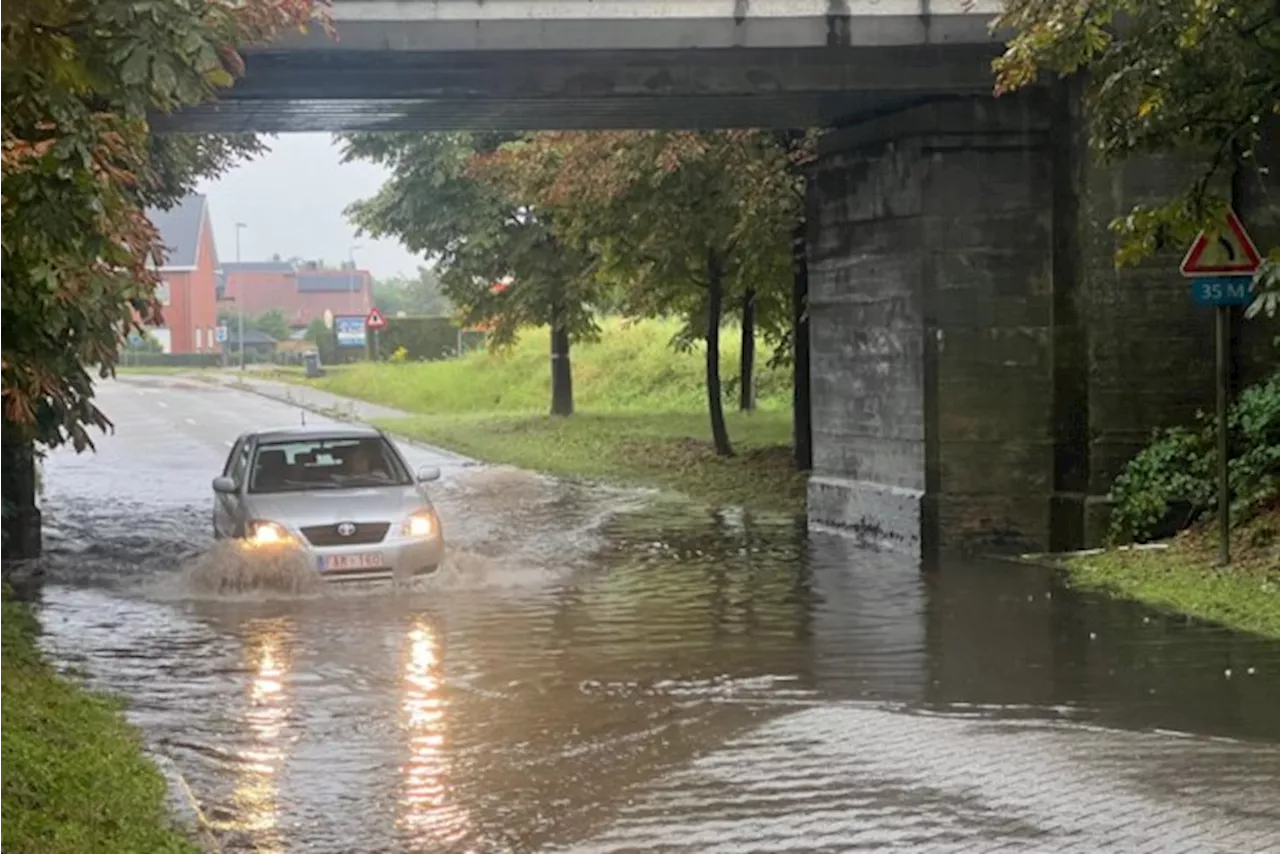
point(291, 201)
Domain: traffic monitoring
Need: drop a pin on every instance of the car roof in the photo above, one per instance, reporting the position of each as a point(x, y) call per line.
point(311, 433)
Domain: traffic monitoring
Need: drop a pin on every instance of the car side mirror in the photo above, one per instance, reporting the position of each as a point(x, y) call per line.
point(224, 484)
point(426, 474)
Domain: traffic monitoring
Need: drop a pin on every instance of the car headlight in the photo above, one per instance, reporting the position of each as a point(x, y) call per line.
point(421, 524)
point(263, 533)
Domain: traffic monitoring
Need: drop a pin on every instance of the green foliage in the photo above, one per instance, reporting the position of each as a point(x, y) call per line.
point(80, 78)
point(1179, 466)
point(271, 322)
point(1176, 468)
point(477, 235)
point(630, 369)
point(419, 295)
point(1199, 79)
point(76, 779)
point(422, 338)
point(317, 331)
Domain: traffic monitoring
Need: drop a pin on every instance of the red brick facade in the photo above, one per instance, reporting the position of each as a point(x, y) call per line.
point(302, 293)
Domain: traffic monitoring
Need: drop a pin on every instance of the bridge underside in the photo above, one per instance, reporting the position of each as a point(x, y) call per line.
point(348, 90)
point(980, 370)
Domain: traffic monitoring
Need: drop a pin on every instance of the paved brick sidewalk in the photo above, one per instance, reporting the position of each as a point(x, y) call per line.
point(854, 779)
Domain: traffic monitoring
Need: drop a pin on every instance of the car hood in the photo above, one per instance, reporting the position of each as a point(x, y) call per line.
point(330, 506)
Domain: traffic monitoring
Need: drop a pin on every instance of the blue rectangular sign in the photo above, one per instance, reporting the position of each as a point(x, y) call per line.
point(350, 331)
point(1222, 290)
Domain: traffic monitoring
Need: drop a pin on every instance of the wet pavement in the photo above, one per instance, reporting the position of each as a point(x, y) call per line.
point(606, 670)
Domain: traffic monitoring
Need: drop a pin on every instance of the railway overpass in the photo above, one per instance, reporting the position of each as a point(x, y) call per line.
point(980, 371)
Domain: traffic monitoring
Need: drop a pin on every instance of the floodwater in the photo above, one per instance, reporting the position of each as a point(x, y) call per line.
point(608, 670)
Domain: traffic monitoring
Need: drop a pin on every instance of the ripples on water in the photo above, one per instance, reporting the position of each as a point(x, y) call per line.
point(578, 645)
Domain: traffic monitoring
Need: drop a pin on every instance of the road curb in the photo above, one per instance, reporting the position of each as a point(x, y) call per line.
point(183, 801)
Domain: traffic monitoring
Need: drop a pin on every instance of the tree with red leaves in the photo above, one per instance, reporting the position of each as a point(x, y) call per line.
point(680, 223)
point(80, 167)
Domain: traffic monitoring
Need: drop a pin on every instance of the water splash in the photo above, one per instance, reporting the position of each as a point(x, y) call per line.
point(232, 567)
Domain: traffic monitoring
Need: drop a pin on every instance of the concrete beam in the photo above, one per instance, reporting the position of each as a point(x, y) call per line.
point(484, 25)
point(290, 90)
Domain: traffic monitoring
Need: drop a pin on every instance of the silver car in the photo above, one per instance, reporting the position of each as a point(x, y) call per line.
point(343, 494)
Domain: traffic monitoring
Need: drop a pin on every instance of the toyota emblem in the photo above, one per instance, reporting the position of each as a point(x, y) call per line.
point(346, 529)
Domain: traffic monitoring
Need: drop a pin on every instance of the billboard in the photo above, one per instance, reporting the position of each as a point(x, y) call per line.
point(350, 330)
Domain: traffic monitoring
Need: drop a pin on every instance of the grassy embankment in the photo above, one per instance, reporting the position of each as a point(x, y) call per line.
point(75, 779)
point(1185, 578)
point(641, 414)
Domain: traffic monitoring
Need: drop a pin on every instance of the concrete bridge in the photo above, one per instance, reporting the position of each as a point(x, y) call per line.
point(523, 64)
point(980, 371)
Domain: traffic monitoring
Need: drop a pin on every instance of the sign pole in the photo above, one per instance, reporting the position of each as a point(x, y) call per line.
point(1222, 336)
point(1221, 265)
point(377, 348)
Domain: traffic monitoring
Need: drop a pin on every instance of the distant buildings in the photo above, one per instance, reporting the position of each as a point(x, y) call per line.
point(189, 276)
point(193, 281)
point(302, 290)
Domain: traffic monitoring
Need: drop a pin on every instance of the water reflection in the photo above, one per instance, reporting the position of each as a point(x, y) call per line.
point(595, 662)
point(256, 796)
point(427, 816)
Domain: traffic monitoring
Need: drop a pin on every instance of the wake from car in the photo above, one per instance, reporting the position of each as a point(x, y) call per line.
point(229, 568)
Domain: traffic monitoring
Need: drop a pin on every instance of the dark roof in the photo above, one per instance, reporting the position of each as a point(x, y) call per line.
point(251, 336)
point(343, 282)
point(179, 228)
point(257, 267)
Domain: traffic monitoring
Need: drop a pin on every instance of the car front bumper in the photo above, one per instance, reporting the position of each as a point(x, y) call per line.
point(395, 558)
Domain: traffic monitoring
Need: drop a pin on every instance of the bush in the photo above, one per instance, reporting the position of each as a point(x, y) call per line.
point(1174, 477)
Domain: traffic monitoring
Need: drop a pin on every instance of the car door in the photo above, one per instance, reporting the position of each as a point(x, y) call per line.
point(228, 507)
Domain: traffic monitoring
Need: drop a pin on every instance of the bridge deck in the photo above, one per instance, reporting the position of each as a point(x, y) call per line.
point(501, 64)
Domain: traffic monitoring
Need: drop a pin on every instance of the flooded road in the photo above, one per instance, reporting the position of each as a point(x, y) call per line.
point(603, 670)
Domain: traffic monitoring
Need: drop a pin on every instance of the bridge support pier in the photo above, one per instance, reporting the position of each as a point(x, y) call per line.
point(980, 372)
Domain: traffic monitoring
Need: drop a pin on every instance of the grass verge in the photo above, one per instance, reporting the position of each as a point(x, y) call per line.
point(641, 414)
point(656, 450)
point(1184, 577)
point(77, 780)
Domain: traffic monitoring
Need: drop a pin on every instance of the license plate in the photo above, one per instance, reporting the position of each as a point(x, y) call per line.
point(364, 560)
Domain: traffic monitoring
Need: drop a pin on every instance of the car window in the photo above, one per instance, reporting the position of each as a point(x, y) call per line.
point(315, 464)
point(235, 465)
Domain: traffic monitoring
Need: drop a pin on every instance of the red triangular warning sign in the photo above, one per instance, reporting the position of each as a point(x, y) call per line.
point(1230, 253)
point(375, 320)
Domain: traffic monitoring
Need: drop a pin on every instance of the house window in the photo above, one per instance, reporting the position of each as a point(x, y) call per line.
point(162, 293)
point(199, 340)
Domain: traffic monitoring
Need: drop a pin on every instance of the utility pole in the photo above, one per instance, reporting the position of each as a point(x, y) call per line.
point(240, 303)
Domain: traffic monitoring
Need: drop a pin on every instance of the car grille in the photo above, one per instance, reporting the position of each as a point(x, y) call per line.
point(364, 534)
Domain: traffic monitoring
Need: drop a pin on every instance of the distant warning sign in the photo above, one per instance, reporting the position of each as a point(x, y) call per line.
point(1228, 252)
point(375, 320)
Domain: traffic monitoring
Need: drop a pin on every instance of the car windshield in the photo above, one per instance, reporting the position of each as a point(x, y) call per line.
point(326, 464)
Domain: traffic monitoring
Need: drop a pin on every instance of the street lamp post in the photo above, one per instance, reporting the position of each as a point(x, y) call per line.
point(239, 304)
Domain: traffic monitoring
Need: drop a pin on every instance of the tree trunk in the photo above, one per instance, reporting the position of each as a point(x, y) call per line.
point(801, 408)
point(21, 515)
point(747, 361)
point(561, 369)
point(715, 308)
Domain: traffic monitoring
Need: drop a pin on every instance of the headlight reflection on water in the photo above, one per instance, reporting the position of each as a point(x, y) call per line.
point(427, 814)
point(255, 797)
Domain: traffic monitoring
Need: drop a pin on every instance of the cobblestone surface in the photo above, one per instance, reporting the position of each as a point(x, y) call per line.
point(850, 779)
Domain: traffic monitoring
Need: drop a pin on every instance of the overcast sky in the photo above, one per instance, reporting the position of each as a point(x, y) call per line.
point(291, 201)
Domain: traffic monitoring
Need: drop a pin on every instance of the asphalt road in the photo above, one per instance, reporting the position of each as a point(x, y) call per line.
point(602, 670)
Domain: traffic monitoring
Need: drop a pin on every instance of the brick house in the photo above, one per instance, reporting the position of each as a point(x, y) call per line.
point(189, 278)
point(302, 290)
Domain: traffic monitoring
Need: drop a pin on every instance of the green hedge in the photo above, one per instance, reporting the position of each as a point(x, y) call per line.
point(426, 339)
